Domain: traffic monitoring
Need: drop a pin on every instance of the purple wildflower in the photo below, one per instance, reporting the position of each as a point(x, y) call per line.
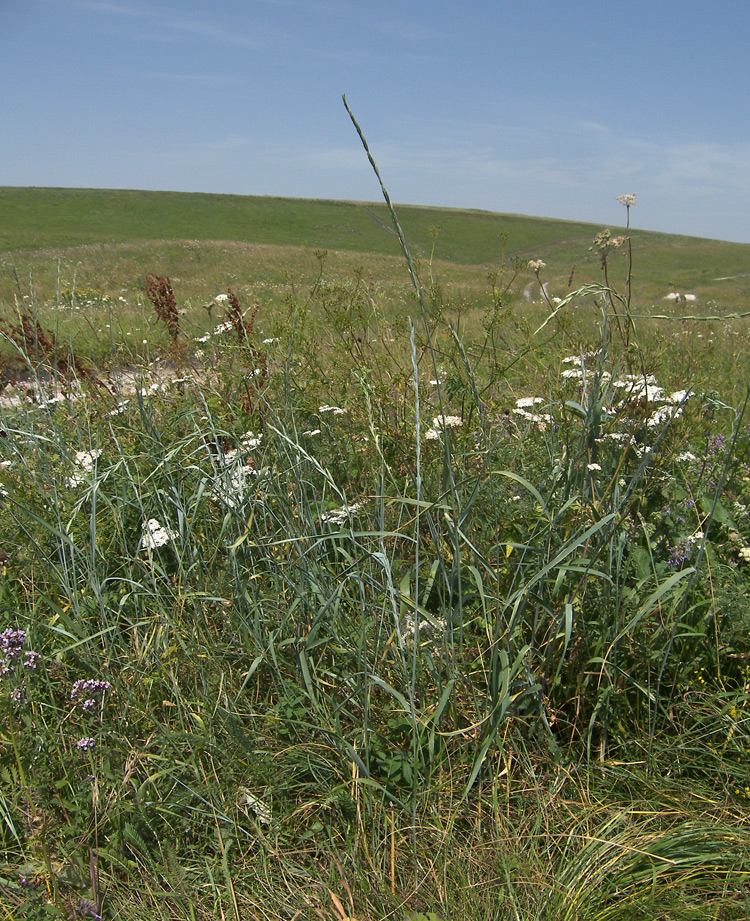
point(85, 743)
point(88, 908)
point(31, 659)
point(85, 687)
point(678, 554)
point(716, 444)
point(11, 642)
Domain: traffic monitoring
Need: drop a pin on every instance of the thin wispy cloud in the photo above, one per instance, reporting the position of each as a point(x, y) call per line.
point(206, 151)
point(719, 166)
point(205, 29)
point(205, 80)
point(317, 7)
point(163, 22)
point(405, 29)
point(113, 8)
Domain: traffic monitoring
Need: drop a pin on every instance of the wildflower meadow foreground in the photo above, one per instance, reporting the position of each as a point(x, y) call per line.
point(346, 610)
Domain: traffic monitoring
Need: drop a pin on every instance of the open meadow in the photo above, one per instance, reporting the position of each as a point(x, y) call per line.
point(354, 577)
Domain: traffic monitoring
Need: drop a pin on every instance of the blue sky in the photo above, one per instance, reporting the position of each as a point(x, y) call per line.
point(549, 108)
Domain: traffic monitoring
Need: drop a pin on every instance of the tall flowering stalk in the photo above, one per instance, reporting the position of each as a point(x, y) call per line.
point(245, 329)
point(604, 245)
point(159, 292)
point(628, 201)
point(237, 318)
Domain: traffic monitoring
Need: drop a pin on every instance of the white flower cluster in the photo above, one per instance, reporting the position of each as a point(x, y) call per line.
point(440, 423)
point(681, 298)
point(248, 442)
point(3, 491)
point(536, 265)
point(161, 386)
point(230, 488)
point(119, 409)
point(627, 200)
point(248, 800)
point(85, 461)
point(335, 410)
point(155, 535)
point(640, 390)
point(580, 370)
point(232, 480)
point(647, 389)
point(57, 398)
point(340, 515)
point(430, 629)
point(524, 404)
point(217, 331)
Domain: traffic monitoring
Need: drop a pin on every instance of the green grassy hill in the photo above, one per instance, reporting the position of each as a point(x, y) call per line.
point(33, 219)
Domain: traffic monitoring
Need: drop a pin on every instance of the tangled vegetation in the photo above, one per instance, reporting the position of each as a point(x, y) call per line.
point(347, 610)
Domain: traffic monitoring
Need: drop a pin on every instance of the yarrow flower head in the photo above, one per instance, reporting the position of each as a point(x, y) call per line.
point(155, 535)
point(336, 410)
point(84, 461)
point(523, 407)
point(340, 515)
point(440, 423)
point(448, 422)
point(627, 200)
point(248, 442)
point(536, 265)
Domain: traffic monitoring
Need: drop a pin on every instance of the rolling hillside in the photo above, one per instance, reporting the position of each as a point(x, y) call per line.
point(33, 219)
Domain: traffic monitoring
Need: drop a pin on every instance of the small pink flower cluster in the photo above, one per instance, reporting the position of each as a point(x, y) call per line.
point(11, 646)
point(87, 689)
